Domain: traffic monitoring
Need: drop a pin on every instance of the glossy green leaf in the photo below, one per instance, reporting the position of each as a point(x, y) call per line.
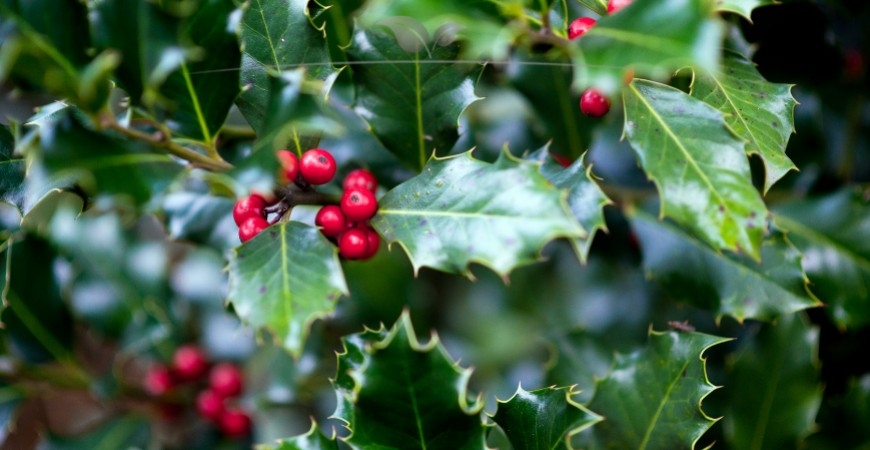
point(651, 399)
point(277, 36)
point(283, 280)
point(543, 418)
point(411, 99)
point(742, 7)
point(410, 395)
point(312, 440)
point(698, 165)
point(761, 113)
point(104, 164)
point(126, 432)
point(832, 231)
point(842, 421)
point(648, 38)
point(726, 284)
point(462, 210)
point(598, 6)
point(11, 170)
point(201, 218)
point(773, 391)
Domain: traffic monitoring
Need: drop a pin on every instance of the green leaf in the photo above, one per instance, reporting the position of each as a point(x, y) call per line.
point(126, 432)
point(283, 280)
point(742, 7)
point(648, 38)
point(201, 218)
point(759, 112)
point(697, 164)
point(842, 421)
point(276, 36)
point(312, 440)
point(726, 284)
point(773, 391)
point(462, 210)
point(411, 99)
point(651, 399)
point(11, 170)
point(832, 231)
point(543, 418)
point(598, 6)
point(410, 395)
point(102, 163)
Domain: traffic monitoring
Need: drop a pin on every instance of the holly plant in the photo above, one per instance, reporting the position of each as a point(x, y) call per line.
point(434, 224)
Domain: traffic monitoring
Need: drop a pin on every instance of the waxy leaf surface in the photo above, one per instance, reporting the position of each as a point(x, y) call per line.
point(11, 170)
point(462, 210)
point(312, 440)
point(697, 164)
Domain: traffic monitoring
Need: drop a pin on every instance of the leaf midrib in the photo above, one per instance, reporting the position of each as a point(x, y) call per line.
point(813, 234)
point(648, 435)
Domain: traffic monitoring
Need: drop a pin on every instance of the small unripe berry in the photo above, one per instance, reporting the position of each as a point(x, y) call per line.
point(580, 26)
point(234, 423)
point(615, 5)
point(249, 206)
point(317, 166)
point(189, 363)
point(593, 103)
point(358, 204)
point(353, 244)
point(360, 178)
point(210, 405)
point(158, 380)
point(225, 379)
point(331, 220)
point(251, 227)
point(289, 165)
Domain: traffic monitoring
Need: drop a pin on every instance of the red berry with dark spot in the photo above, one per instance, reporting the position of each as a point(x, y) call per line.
point(189, 363)
point(210, 405)
point(331, 220)
point(158, 380)
point(317, 166)
point(374, 242)
point(593, 103)
point(580, 26)
point(234, 423)
point(353, 244)
point(250, 206)
point(289, 165)
point(252, 227)
point(360, 178)
point(358, 204)
point(615, 5)
point(225, 379)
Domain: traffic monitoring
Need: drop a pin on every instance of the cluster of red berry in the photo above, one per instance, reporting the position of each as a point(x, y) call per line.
point(593, 103)
point(214, 402)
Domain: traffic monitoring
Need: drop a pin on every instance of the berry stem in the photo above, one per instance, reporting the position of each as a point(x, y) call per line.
point(293, 197)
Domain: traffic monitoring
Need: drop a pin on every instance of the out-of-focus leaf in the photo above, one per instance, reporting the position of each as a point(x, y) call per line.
point(462, 210)
point(283, 280)
point(312, 440)
point(409, 395)
point(411, 99)
point(699, 167)
point(842, 421)
point(742, 7)
point(10, 398)
point(832, 231)
point(649, 38)
point(11, 170)
point(652, 397)
point(277, 36)
point(201, 218)
point(723, 283)
point(773, 391)
point(126, 432)
point(761, 113)
point(36, 321)
point(543, 418)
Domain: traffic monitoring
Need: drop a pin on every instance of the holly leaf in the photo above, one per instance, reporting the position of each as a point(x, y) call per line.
point(698, 165)
point(759, 112)
point(598, 6)
point(312, 440)
point(774, 391)
point(410, 395)
point(462, 210)
point(411, 99)
point(283, 280)
point(126, 432)
point(276, 36)
point(831, 232)
point(201, 218)
point(741, 7)
point(652, 397)
point(648, 38)
point(842, 421)
point(11, 170)
point(543, 418)
point(726, 284)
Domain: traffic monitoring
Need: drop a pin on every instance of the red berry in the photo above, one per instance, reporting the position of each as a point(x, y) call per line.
point(289, 165)
point(252, 227)
point(580, 26)
point(225, 379)
point(234, 423)
point(331, 220)
point(189, 363)
point(353, 244)
point(593, 103)
point(360, 178)
point(374, 242)
point(317, 166)
point(358, 204)
point(210, 405)
point(158, 380)
point(615, 5)
point(250, 206)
